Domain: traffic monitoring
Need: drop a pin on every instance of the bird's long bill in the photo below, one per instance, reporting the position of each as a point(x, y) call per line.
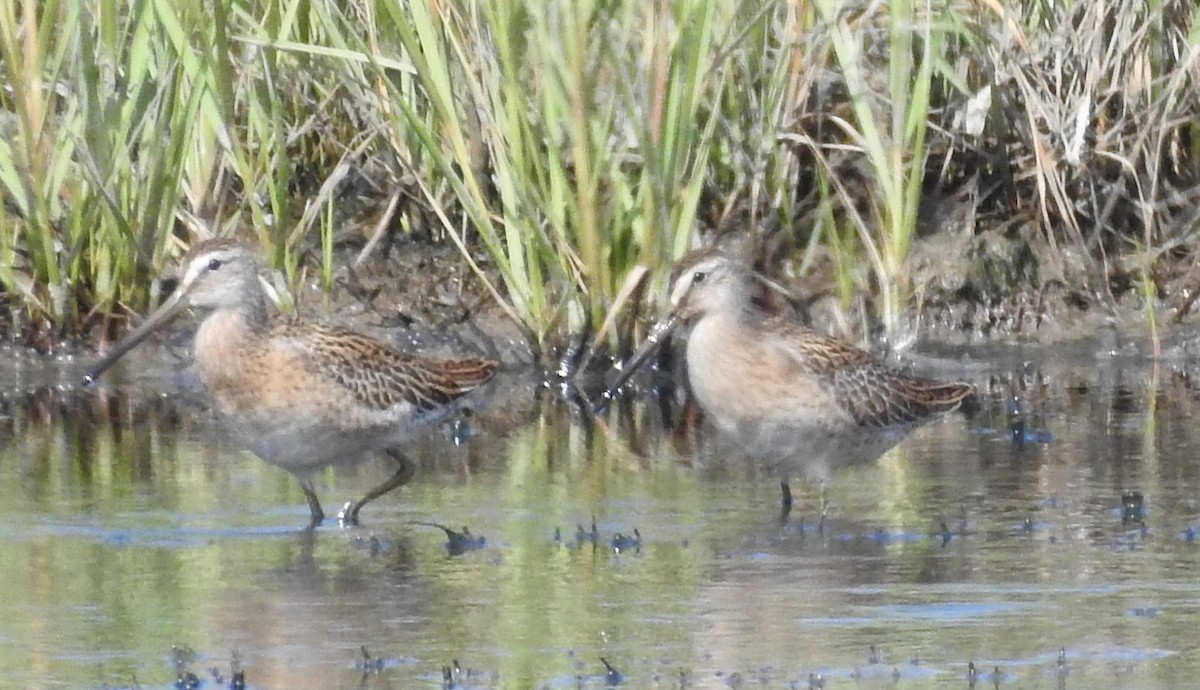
point(168, 311)
point(658, 335)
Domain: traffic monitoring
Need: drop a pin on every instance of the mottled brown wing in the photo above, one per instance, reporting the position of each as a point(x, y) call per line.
point(873, 393)
point(815, 352)
point(878, 396)
point(380, 376)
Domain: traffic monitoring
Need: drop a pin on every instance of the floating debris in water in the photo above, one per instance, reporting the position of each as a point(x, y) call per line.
point(1132, 539)
point(1133, 508)
point(800, 527)
point(368, 664)
point(874, 657)
point(882, 537)
point(1029, 526)
point(1019, 435)
point(582, 537)
point(182, 656)
point(612, 676)
point(619, 542)
point(1019, 432)
point(372, 543)
point(237, 680)
point(622, 542)
point(974, 675)
point(457, 543)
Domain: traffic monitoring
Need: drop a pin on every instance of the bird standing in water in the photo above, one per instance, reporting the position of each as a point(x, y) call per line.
point(801, 401)
point(300, 395)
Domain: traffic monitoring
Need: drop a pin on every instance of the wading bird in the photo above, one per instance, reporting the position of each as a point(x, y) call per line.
point(300, 395)
point(803, 402)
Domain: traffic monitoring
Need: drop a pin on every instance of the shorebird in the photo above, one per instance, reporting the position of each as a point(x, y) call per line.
point(803, 402)
point(300, 395)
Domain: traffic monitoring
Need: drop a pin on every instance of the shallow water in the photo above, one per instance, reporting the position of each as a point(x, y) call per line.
point(129, 527)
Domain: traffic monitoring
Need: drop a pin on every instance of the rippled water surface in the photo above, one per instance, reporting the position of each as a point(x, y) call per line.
point(136, 547)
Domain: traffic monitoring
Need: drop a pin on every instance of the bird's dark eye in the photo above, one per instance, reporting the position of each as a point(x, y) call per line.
point(214, 264)
point(698, 277)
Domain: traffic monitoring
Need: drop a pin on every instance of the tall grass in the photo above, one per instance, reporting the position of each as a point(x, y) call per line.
point(572, 135)
point(85, 217)
point(563, 146)
point(889, 131)
point(119, 120)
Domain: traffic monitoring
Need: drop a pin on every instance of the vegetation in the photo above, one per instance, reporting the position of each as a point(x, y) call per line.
point(560, 145)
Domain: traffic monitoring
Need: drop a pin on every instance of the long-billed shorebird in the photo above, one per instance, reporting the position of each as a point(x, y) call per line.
point(804, 402)
point(300, 395)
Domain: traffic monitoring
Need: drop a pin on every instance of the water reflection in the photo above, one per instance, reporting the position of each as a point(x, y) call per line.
point(128, 526)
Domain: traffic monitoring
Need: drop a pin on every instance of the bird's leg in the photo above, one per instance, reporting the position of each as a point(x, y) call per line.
point(403, 475)
point(314, 505)
point(785, 504)
point(824, 505)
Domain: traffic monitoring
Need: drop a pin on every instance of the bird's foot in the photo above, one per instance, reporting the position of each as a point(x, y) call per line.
point(348, 515)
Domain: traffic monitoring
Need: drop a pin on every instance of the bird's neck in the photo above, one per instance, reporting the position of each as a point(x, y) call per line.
point(223, 339)
point(740, 309)
point(735, 320)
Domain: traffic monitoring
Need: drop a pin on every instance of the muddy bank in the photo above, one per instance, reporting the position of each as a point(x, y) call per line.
point(974, 290)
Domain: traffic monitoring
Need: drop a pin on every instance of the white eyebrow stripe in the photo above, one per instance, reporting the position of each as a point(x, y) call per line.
point(199, 265)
